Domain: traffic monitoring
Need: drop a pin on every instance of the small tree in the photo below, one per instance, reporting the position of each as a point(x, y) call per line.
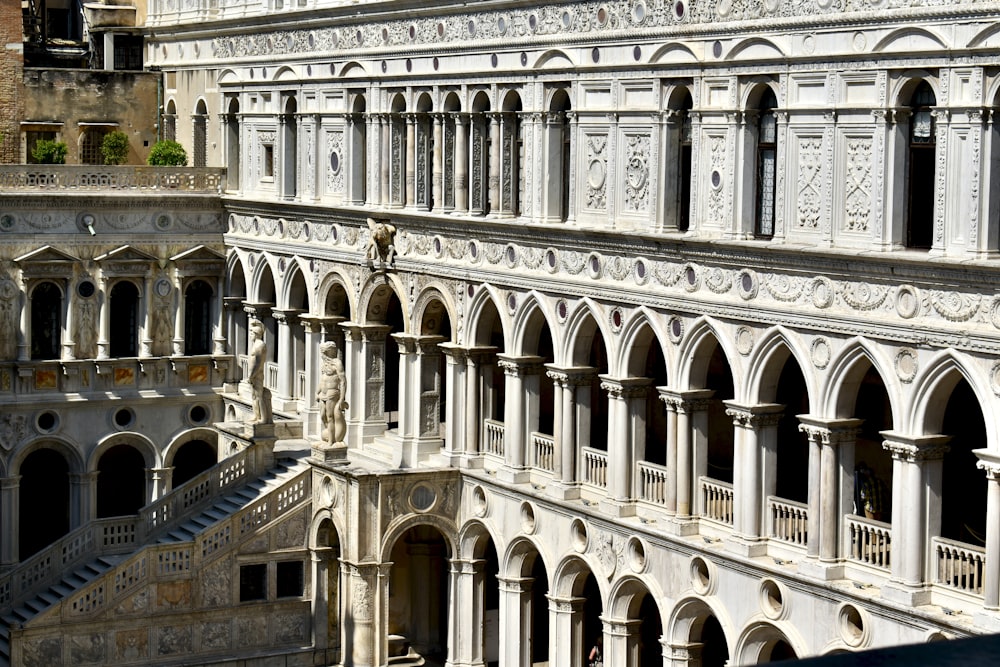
point(167, 153)
point(114, 147)
point(50, 151)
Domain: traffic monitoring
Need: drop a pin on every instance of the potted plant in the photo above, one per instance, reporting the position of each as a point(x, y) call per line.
point(167, 153)
point(49, 151)
point(114, 147)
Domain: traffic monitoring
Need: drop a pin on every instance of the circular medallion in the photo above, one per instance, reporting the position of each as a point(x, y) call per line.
point(748, 284)
point(744, 340)
point(162, 287)
point(6, 222)
point(596, 174)
point(822, 292)
point(675, 329)
point(423, 497)
point(907, 302)
point(820, 352)
point(906, 364)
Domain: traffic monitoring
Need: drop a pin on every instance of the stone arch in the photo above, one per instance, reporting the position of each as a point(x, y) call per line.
point(263, 292)
point(397, 103)
point(228, 77)
point(553, 59)
point(845, 372)
point(208, 435)
point(482, 307)
point(767, 362)
point(910, 39)
point(65, 447)
point(334, 295)
point(316, 522)
point(284, 73)
point(673, 52)
point(400, 525)
point(425, 320)
point(375, 297)
point(558, 98)
point(353, 69)
point(638, 334)
point(754, 91)
point(678, 96)
point(529, 321)
point(760, 637)
point(481, 101)
point(295, 285)
point(145, 446)
point(689, 616)
point(570, 573)
point(236, 274)
point(907, 83)
point(473, 538)
point(626, 595)
point(696, 347)
point(755, 48)
point(424, 103)
point(936, 383)
point(581, 326)
point(451, 102)
point(518, 558)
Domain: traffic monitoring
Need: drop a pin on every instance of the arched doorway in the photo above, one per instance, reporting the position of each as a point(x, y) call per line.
point(326, 588)
point(418, 595)
point(121, 482)
point(192, 458)
point(44, 493)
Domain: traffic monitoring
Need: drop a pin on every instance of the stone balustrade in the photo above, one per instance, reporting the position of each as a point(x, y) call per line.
point(107, 179)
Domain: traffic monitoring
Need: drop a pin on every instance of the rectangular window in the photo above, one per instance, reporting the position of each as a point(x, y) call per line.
point(290, 579)
point(253, 582)
point(268, 166)
point(31, 140)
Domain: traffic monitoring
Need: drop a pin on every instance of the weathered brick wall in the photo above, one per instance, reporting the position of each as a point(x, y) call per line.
point(11, 69)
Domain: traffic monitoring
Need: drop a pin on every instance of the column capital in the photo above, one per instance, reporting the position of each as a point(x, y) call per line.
point(515, 584)
point(12, 482)
point(413, 344)
point(520, 366)
point(915, 447)
point(623, 388)
point(318, 323)
point(988, 461)
point(686, 400)
point(258, 310)
point(754, 416)
point(564, 605)
point(286, 316)
point(575, 376)
point(829, 431)
point(365, 332)
point(622, 627)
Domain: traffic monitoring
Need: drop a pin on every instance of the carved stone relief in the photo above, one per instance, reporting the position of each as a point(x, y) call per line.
point(597, 171)
point(637, 173)
point(858, 185)
point(809, 187)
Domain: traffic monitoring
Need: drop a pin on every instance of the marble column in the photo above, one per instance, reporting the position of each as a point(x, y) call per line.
point(515, 620)
point(626, 433)
point(364, 357)
point(753, 442)
point(621, 641)
point(494, 174)
point(566, 631)
point(158, 483)
point(989, 462)
point(410, 160)
point(516, 427)
point(103, 316)
point(567, 381)
point(437, 167)
point(385, 141)
point(218, 318)
point(916, 478)
point(177, 302)
point(828, 479)
point(286, 319)
point(465, 613)
point(10, 508)
point(461, 163)
point(690, 432)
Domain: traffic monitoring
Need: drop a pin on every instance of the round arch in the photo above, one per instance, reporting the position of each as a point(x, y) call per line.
point(400, 525)
point(333, 296)
point(936, 382)
point(375, 295)
point(65, 447)
point(581, 326)
point(423, 308)
point(528, 323)
point(908, 81)
point(142, 444)
point(760, 638)
point(296, 287)
point(696, 347)
point(208, 435)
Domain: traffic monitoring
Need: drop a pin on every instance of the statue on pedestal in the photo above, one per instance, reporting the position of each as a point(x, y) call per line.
point(381, 244)
point(260, 395)
point(331, 393)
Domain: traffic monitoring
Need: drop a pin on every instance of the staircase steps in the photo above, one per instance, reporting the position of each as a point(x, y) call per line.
point(82, 575)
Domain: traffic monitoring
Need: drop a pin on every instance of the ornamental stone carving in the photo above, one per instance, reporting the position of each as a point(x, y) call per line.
point(637, 173)
point(810, 183)
point(597, 171)
point(858, 184)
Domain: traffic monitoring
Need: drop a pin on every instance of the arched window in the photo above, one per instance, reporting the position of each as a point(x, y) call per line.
point(200, 142)
point(46, 321)
point(198, 318)
point(511, 156)
point(920, 162)
point(479, 156)
point(124, 311)
point(90, 146)
point(359, 153)
point(423, 162)
point(767, 152)
point(233, 145)
point(289, 149)
point(170, 122)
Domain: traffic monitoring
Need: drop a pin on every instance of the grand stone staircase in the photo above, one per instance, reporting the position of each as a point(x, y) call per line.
point(94, 566)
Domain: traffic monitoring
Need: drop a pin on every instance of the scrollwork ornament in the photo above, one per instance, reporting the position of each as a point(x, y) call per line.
point(718, 280)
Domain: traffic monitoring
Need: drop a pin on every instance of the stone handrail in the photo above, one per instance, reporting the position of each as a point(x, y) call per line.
point(789, 520)
point(595, 466)
point(543, 452)
point(121, 534)
point(869, 541)
point(97, 178)
point(105, 536)
point(652, 483)
point(958, 565)
point(717, 497)
point(493, 443)
point(162, 560)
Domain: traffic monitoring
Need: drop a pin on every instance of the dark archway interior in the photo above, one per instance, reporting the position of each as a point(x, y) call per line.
point(44, 501)
point(192, 459)
point(963, 498)
point(793, 445)
point(121, 482)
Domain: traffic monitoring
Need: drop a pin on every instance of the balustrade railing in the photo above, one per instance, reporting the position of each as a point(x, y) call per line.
point(160, 560)
point(543, 452)
point(652, 483)
point(98, 178)
point(870, 541)
point(789, 520)
point(121, 534)
point(493, 441)
point(959, 565)
point(718, 500)
point(595, 467)
point(271, 375)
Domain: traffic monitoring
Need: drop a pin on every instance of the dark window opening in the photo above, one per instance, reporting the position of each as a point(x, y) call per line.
point(920, 159)
point(198, 318)
point(253, 582)
point(290, 579)
point(46, 321)
point(767, 151)
point(125, 318)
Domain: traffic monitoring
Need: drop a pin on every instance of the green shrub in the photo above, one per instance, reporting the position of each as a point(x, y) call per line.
point(167, 153)
point(114, 147)
point(50, 151)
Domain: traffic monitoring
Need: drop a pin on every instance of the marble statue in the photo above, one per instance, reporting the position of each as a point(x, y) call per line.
point(331, 394)
point(260, 395)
